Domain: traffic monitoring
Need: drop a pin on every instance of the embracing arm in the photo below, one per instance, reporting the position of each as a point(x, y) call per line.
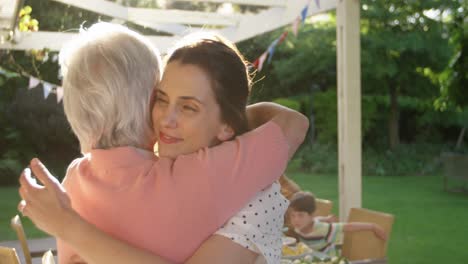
point(293, 124)
point(49, 207)
point(220, 249)
point(104, 249)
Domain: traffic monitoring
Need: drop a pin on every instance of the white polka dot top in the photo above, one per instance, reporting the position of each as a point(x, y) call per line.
point(258, 226)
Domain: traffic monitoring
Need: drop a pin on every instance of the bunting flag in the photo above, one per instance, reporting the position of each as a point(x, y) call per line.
point(261, 60)
point(47, 88)
point(33, 82)
point(258, 63)
point(283, 37)
point(59, 92)
point(271, 49)
point(55, 58)
point(255, 63)
point(304, 13)
point(295, 26)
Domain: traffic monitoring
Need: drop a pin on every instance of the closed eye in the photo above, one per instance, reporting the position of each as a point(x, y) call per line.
point(189, 108)
point(158, 99)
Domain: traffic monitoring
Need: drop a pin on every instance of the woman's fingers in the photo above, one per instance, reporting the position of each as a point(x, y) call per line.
point(22, 208)
point(28, 184)
point(21, 205)
point(43, 174)
point(23, 193)
point(29, 178)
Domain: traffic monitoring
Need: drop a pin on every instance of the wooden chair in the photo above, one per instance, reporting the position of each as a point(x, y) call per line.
point(365, 244)
point(288, 186)
point(18, 227)
point(8, 256)
point(323, 207)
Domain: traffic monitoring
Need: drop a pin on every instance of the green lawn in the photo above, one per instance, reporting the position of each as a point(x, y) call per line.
point(431, 226)
point(9, 199)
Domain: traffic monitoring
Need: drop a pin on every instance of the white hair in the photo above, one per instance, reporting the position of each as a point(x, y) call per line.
point(109, 73)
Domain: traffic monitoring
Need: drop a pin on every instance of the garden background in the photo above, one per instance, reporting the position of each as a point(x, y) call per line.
point(414, 108)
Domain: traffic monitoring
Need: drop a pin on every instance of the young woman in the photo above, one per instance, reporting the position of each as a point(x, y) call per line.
point(151, 202)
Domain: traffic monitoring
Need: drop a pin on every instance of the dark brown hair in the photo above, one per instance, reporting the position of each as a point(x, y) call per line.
point(303, 202)
point(227, 69)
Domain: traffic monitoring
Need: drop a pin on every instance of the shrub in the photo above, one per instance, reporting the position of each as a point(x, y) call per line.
point(407, 159)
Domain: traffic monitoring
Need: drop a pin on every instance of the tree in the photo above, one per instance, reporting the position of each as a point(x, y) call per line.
point(454, 79)
point(298, 64)
point(395, 52)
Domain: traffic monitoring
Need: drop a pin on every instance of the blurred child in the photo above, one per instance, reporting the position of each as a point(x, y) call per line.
point(322, 235)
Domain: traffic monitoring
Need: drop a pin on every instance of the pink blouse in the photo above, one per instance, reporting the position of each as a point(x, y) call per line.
point(170, 207)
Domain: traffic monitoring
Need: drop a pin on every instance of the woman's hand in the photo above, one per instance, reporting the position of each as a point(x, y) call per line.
point(48, 206)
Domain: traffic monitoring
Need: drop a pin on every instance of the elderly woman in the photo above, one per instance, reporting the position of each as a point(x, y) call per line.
point(121, 188)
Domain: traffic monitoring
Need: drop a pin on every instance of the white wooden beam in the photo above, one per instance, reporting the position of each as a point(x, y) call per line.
point(277, 3)
point(153, 16)
point(349, 106)
point(251, 25)
point(8, 13)
point(55, 40)
point(181, 17)
point(174, 29)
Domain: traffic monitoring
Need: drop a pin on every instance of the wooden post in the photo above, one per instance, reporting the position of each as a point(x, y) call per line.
point(349, 105)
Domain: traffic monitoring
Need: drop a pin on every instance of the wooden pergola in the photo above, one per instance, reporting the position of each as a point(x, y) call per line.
point(238, 27)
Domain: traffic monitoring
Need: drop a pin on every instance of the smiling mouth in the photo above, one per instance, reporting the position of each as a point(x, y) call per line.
point(163, 138)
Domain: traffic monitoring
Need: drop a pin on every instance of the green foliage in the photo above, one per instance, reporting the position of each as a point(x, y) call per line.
point(289, 103)
point(416, 159)
point(316, 158)
point(454, 78)
point(30, 125)
point(406, 159)
point(395, 37)
point(298, 65)
point(396, 56)
point(54, 16)
point(326, 117)
point(10, 137)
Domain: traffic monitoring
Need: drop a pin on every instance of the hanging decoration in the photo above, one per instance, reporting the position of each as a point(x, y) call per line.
point(47, 88)
point(300, 19)
point(33, 82)
point(59, 92)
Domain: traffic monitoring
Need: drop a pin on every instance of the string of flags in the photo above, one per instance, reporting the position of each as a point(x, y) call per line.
point(34, 82)
point(47, 88)
point(268, 54)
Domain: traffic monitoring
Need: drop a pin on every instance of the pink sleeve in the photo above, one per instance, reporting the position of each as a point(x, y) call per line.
point(231, 173)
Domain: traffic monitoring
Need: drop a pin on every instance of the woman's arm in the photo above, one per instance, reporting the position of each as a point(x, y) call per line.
point(220, 249)
point(293, 124)
point(50, 209)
